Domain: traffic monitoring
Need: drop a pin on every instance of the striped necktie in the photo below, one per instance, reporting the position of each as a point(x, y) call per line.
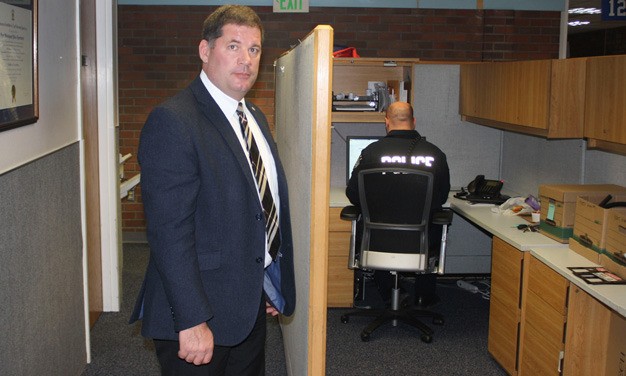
point(269, 209)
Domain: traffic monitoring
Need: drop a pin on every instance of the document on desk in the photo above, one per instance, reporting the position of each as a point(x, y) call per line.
point(597, 275)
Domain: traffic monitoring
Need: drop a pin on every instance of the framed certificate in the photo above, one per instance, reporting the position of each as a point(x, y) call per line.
point(18, 63)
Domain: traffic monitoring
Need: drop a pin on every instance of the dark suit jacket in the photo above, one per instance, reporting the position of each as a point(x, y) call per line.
point(205, 225)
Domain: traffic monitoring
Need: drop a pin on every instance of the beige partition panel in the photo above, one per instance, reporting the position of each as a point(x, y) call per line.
point(303, 106)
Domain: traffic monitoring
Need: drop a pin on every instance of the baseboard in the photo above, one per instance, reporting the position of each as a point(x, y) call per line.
point(134, 237)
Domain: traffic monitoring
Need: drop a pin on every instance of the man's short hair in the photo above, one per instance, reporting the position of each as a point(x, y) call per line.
point(229, 14)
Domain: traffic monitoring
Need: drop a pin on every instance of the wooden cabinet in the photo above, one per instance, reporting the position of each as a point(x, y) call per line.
point(542, 97)
point(505, 306)
point(340, 278)
point(351, 75)
point(594, 342)
point(605, 103)
point(543, 320)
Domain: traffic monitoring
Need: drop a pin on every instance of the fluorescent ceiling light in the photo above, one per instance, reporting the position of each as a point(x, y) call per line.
point(584, 11)
point(578, 23)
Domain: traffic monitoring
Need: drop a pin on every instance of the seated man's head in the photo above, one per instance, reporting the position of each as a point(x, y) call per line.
point(399, 116)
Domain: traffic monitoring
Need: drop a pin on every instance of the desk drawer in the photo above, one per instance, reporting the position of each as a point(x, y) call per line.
point(506, 272)
point(503, 333)
point(540, 356)
point(543, 318)
point(548, 285)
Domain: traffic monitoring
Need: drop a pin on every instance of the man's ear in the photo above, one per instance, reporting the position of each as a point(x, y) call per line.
point(204, 50)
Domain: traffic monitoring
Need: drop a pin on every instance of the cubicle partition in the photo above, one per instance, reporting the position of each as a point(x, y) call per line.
point(303, 77)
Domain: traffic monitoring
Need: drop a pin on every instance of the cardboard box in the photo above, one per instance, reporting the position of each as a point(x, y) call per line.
point(613, 264)
point(615, 243)
point(591, 220)
point(588, 253)
point(558, 206)
point(616, 232)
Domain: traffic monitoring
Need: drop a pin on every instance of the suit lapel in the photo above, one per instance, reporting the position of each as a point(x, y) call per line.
point(215, 117)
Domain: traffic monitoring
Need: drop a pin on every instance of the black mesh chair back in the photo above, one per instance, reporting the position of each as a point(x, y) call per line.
point(395, 208)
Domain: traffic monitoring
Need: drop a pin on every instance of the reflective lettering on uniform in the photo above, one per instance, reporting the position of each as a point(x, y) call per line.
point(393, 159)
point(415, 160)
point(425, 160)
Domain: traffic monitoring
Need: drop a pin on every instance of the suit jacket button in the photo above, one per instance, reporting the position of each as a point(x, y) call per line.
point(258, 217)
point(259, 260)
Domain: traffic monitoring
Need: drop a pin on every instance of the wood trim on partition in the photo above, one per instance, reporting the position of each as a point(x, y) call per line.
point(320, 192)
point(89, 100)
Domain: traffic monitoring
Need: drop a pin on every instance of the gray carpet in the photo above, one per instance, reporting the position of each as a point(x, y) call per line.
point(459, 346)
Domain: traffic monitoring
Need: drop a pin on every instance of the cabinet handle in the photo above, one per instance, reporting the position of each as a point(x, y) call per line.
point(561, 356)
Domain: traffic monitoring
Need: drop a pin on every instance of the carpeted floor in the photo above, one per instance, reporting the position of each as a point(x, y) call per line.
point(459, 346)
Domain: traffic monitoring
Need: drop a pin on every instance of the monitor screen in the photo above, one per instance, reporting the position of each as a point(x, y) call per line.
point(354, 145)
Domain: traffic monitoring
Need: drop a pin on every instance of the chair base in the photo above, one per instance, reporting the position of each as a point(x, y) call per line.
point(408, 316)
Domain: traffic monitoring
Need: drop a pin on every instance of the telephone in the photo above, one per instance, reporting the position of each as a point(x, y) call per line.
point(481, 190)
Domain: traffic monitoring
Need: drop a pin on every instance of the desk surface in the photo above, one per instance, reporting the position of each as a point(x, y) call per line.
point(502, 226)
point(338, 197)
point(613, 296)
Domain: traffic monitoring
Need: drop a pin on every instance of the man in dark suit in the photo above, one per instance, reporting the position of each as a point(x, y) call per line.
point(213, 272)
point(403, 140)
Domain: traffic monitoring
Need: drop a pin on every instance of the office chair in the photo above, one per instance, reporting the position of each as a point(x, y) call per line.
point(395, 211)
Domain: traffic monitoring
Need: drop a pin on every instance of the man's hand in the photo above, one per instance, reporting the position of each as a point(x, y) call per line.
point(196, 344)
point(270, 310)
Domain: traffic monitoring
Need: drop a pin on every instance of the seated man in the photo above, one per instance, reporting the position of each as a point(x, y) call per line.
point(403, 140)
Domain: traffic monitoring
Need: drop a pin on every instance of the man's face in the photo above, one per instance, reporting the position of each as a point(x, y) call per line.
point(232, 64)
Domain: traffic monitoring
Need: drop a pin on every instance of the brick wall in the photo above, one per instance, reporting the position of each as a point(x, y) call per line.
point(158, 52)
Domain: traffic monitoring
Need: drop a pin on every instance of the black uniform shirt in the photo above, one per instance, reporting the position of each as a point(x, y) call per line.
point(397, 143)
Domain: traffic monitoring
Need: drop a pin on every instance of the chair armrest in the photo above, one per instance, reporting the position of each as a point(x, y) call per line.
point(350, 213)
point(442, 217)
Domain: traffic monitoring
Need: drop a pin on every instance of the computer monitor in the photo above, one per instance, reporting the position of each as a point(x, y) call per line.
point(354, 145)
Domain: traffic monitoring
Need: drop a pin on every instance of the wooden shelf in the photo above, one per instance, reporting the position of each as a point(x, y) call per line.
point(605, 95)
point(358, 117)
point(351, 75)
point(542, 98)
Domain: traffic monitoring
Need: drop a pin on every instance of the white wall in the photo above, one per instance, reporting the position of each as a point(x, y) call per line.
point(528, 162)
point(58, 124)
point(41, 243)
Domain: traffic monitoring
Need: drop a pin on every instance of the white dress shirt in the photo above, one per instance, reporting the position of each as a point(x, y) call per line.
point(229, 107)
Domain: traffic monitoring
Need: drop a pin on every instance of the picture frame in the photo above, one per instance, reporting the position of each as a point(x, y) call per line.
point(19, 88)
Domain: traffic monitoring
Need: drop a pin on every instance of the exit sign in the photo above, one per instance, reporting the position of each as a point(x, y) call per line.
point(291, 6)
point(613, 10)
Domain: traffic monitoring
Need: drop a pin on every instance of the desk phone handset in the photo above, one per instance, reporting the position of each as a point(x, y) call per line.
point(483, 190)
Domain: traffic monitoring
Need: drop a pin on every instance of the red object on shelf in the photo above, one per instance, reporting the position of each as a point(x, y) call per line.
point(346, 52)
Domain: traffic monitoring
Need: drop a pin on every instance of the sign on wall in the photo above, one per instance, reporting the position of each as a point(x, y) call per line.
point(613, 10)
point(291, 6)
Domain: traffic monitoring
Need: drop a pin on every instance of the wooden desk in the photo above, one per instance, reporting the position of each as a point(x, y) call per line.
point(340, 290)
point(510, 262)
point(502, 226)
point(542, 317)
point(595, 320)
point(613, 296)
